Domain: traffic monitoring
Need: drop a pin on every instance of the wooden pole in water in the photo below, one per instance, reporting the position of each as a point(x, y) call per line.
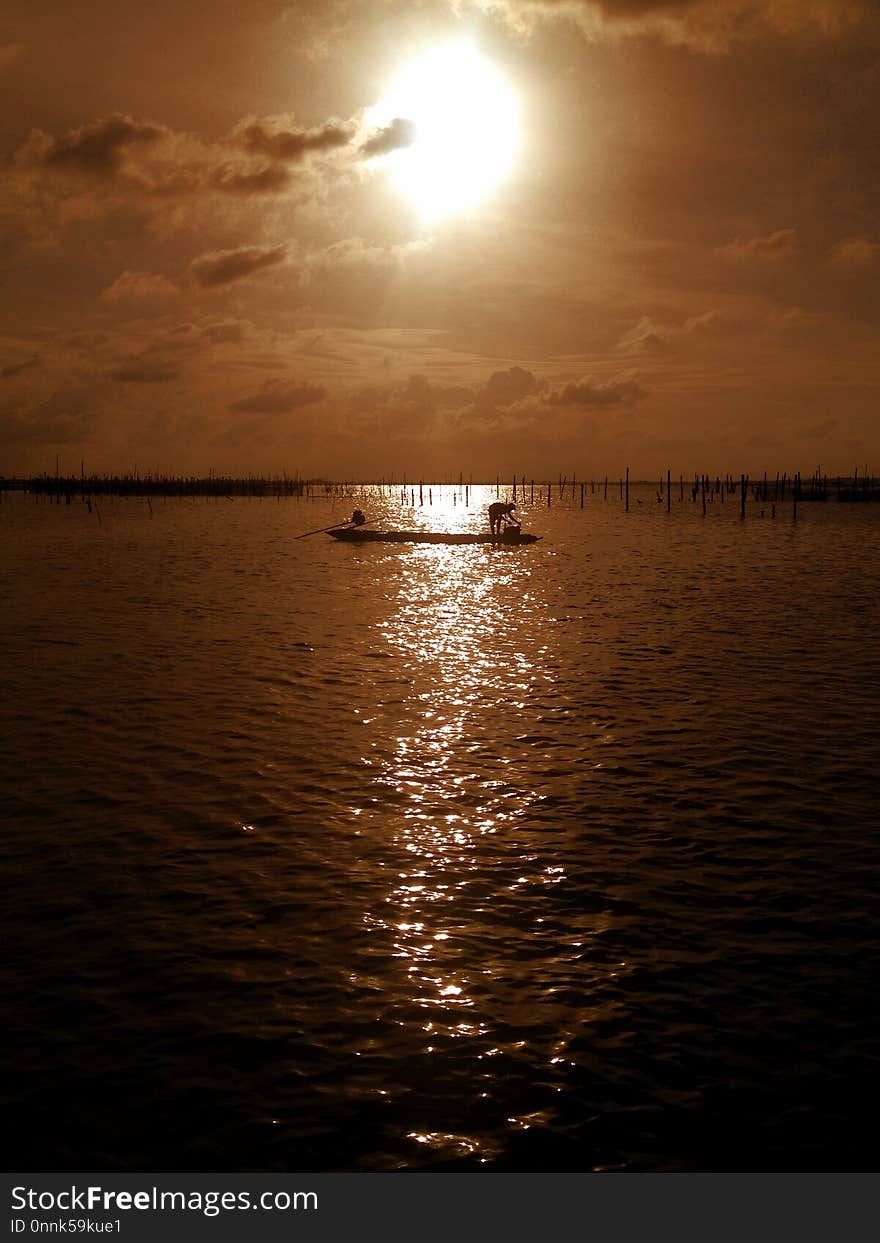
point(627, 489)
point(582, 496)
point(742, 496)
point(668, 490)
point(549, 493)
point(606, 488)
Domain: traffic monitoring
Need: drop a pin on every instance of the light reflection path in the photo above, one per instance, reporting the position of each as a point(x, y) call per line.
point(458, 791)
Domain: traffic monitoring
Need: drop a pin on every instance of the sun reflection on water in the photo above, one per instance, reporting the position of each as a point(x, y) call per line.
point(448, 627)
point(482, 951)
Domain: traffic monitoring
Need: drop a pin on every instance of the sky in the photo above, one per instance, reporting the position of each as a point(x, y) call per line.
point(210, 258)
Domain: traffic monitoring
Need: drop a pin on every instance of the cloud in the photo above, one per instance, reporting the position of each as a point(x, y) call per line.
point(167, 179)
point(62, 419)
point(356, 252)
point(268, 179)
point(143, 371)
point(419, 391)
point(13, 369)
point(797, 325)
point(709, 324)
point(855, 252)
point(139, 287)
point(225, 331)
point(399, 133)
point(779, 245)
point(279, 139)
point(593, 394)
point(506, 399)
point(279, 397)
point(645, 337)
point(223, 267)
point(503, 388)
point(672, 337)
point(706, 25)
point(96, 149)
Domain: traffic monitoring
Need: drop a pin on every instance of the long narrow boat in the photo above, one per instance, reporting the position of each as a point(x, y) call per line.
point(354, 535)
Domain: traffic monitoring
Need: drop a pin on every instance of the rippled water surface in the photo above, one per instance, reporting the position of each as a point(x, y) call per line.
point(410, 857)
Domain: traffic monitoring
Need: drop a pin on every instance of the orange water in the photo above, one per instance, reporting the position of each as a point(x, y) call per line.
point(411, 856)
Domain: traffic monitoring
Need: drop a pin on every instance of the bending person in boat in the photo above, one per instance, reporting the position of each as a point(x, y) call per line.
point(357, 518)
point(502, 512)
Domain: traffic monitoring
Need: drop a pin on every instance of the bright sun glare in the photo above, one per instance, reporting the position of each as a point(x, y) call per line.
point(466, 123)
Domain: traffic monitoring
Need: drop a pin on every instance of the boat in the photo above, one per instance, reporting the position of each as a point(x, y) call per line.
point(355, 535)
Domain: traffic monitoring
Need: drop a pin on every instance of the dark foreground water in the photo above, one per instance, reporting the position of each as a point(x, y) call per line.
point(556, 858)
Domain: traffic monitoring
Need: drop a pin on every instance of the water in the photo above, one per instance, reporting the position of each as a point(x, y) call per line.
point(422, 857)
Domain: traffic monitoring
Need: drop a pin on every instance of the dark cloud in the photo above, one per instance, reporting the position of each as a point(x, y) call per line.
point(122, 163)
point(506, 399)
point(96, 149)
point(279, 397)
point(14, 369)
point(828, 14)
point(64, 418)
point(709, 25)
point(399, 133)
point(143, 371)
point(223, 267)
point(613, 10)
point(591, 393)
point(420, 392)
point(269, 179)
point(503, 388)
point(276, 138)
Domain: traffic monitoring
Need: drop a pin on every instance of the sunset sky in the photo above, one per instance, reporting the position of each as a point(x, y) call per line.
point(222, 245)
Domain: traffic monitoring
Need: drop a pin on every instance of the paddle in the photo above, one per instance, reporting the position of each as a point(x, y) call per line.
point(321, 530)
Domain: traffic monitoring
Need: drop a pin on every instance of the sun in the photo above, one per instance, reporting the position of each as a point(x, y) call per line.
point(465, 125)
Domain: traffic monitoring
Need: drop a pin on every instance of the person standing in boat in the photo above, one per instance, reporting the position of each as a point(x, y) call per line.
point(502, 512)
